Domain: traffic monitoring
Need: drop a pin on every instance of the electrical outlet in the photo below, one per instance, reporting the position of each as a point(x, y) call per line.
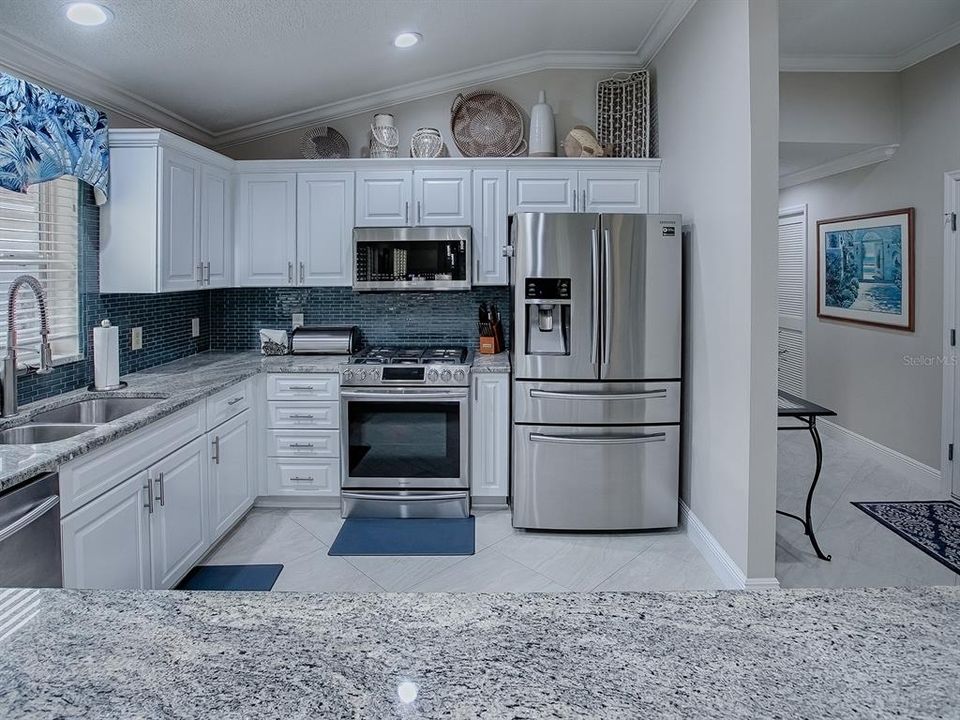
point(297, 320)
point(195, 327)
point(136, 338)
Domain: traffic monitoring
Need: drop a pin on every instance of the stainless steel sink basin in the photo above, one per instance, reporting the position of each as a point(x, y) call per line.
point(95, 411)
point(35, 434)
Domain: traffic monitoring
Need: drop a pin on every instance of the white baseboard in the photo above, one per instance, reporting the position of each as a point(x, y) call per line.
point(722, 564)
point(929, 476)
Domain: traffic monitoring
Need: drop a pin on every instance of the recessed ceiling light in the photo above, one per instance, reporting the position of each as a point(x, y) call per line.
point(407, 39)
point(87, 13)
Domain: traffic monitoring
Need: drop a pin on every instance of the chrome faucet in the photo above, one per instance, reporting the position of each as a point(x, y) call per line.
point(8, 383)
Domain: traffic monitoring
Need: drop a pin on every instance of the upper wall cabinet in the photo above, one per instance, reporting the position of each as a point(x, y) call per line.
point(166, 226)
point(490, 227)
point(407, 198)
point(543, 191)
point(636, 190)
point(266, 229)
point(614, 191)
point(325, 212)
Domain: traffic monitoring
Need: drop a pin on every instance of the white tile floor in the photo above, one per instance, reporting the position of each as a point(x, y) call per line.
point(864, 552)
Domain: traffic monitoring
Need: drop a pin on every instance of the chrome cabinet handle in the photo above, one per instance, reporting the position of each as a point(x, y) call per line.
point(302, 387)
point(302, 273)
point(21, 522)
point(160, 494)
point(574, 193)
point(149, 488)
point(477, 278)
point(235, 400)
point(583, 205)
point(608, 300)
point(406, 211)
point(598, 439)
point(419, 213)
point(299, 446)
point(290, 272)
point(643, 395)
point(302, 417)
point(595, 320)
point(200, 273)
point(206, 272)
point(301, 479)
point(216, 449)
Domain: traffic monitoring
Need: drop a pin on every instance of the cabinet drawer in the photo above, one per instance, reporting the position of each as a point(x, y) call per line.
point(303, 386)
point(304, 415)
point(92, 475)
point(303, 443)
point(303, 477)
point(633, 403)
point(227, 403)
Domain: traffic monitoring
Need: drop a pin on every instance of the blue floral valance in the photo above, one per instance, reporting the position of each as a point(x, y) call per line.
point(44, 135)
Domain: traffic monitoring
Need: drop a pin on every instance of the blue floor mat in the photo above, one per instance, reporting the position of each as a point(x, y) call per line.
point(231, 577)
point(410, 536)
point(933, 526)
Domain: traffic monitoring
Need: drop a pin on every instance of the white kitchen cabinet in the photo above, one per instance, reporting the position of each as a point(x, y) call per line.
point(490, 435)
point(442, 197)
point(216, 228)
point(384, 198)
point(231, 448)
point(543, 190)
point(303, 477)
point(613, 191)
point(179, 530)
point(266, 229)
point(106, 543)
point(325, 220)
point(490, 227)
point(179, 222)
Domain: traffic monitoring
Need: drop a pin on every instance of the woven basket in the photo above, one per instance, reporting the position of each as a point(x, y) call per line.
point(623, 114)
point(323, 142)
point(487, 124)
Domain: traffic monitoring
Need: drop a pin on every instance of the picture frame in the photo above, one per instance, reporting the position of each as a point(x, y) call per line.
point(865, 269)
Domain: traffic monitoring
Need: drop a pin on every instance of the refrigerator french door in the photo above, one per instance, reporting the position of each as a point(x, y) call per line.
point(597, 303)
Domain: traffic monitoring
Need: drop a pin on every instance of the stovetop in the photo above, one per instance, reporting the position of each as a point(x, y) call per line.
point(408, 366)
point(389, 355)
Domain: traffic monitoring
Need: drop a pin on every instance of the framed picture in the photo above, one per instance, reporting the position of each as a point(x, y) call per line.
point(865, 269)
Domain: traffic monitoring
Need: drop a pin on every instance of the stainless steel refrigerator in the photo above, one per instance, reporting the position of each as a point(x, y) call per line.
point(597, 312)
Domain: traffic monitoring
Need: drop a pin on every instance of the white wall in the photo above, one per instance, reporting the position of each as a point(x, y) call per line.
point(717, 99)
point(572, 93)
point(861, 372)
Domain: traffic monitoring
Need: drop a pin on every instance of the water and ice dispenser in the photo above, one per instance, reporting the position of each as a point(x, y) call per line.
point(547, 321)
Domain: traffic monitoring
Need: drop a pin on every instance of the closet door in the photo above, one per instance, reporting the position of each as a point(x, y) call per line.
point(792, 299)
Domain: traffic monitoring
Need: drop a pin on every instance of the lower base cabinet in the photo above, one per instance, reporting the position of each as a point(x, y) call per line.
point(490, 435)
point(232, 456)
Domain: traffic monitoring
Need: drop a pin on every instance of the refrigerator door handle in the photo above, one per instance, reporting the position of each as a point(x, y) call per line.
point(595, 300)
point(608, 296)
point(557, 395)
point(598, 439)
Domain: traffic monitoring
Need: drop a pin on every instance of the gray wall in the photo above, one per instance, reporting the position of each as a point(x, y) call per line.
point(571, 93)
point(859, 371)
point(716, 99)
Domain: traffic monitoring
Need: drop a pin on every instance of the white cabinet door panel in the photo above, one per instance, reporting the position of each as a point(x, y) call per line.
point(314, 476)
point(383, 198)
point(490, 227)
point(613, 191)
point(232, 457)
point(216, 235)
point(266, 229)
point(303, 443)
point(180, 223)
point(490, 433)
point(321, 415)
point(543, 191)
point(325, 213)
point(305, 386)
point(442, 197)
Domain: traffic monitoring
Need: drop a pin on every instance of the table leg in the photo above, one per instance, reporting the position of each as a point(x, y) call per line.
point(808, 523)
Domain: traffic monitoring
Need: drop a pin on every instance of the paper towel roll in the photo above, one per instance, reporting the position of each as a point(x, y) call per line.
point(106, 356)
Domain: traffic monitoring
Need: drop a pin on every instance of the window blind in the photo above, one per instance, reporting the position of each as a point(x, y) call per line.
point(39, 236)
point(792, 301)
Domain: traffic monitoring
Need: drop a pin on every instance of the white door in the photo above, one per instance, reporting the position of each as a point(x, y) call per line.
point(543, 191)
point(442, 197)
point(179, 223)
point(231, 483)
point(178, 528)
point(325, 213)
point(490, 435)
point(106, 543)
point(266, 229)
point(216, 238)
point(613, 191)
point(383, 198)
point(792, 300)
point(490, 227)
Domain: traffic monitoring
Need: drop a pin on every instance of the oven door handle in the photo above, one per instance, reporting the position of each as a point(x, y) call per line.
point(432, 497)
point(598, 439)
point(406, 394)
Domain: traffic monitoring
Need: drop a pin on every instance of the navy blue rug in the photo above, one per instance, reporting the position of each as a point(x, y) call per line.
point(409, 536)
point(934, 526)
point(231, 577)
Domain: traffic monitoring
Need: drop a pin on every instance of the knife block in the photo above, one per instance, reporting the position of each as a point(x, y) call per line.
point(492, 344)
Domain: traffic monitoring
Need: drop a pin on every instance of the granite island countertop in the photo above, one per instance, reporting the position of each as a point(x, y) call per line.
point(873, 653)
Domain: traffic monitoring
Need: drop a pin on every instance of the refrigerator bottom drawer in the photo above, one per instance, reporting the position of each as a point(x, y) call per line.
point(596, 478)
point(404, 504)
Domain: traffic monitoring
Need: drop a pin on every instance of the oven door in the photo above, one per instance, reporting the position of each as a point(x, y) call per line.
point(404, 438)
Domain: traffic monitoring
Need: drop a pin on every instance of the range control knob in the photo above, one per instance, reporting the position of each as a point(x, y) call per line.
point(374, 374)
point(432, 375)
point(445, 376)
point(459, 375)
point(347, 375)
point(362, 375)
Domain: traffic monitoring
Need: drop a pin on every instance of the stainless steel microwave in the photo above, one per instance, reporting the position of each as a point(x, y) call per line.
point(420, 258)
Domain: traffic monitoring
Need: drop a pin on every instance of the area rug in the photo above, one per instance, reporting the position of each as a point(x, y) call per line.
point(231, 577)
point(932, 526)
point(408, 536)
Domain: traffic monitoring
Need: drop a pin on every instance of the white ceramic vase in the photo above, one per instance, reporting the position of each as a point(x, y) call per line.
point(543, 131)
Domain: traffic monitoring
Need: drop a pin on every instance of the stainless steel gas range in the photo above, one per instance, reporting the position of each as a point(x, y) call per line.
point(405, 433)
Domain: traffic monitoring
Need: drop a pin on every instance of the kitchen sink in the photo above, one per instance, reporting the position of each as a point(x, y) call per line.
point(95, 411)
point(35, 433)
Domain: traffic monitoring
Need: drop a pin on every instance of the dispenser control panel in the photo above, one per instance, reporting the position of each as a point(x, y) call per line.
point(547, 288)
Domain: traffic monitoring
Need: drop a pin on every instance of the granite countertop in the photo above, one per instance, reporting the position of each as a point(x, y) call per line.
point(498, 363)
point(800, 653)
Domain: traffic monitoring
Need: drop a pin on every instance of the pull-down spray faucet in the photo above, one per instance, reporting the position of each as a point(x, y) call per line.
point(9, 380)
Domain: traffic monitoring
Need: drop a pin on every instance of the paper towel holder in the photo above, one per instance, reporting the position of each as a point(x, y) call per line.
point(93, 387)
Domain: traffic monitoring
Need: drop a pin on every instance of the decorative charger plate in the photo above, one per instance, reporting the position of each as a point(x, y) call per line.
point(487, 124)
point(323, 142)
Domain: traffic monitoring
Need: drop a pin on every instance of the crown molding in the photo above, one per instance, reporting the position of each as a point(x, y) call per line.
point(943, 40)
point(670, 18)
point(41, 66)
point(863, 158)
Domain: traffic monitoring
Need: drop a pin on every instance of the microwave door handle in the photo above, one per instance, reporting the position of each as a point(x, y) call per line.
point(595, 301)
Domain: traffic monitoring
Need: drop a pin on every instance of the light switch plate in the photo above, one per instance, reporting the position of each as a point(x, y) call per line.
point(136, 338)
point(195, 327)
point(297, 320)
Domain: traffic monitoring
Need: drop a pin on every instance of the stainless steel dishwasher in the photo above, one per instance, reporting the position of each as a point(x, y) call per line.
point(30, 534)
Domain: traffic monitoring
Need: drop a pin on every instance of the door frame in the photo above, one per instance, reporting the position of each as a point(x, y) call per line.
point(798, 211)
point(951, 204)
